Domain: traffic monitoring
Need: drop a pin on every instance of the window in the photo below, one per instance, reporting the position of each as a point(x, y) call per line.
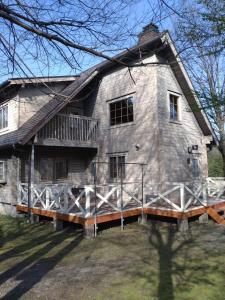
point(2, 171)
point(53, 169)
point(174, 109)
point(121, 111)
point(195, 167)
point(117, 167)
point(46, 170)
point(3, 117)
point(60, 169)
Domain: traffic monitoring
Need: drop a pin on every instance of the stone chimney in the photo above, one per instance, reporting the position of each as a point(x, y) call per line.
point(149, 31)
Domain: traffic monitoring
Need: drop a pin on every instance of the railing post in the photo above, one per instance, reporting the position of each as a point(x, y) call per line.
point(143, 217)
point(88, 202)
point(121, 196)
point(182, 199)
point(66, 202)
point(204, 192)
point(47, 198)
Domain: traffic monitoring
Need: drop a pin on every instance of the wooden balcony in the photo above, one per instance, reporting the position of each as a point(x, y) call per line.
point(70, 131)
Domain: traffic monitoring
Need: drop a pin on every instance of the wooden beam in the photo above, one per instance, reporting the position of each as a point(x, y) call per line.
point(53, 214)
point(164, 213)
point(113, 216)
point(195, 212)
point(215, 216)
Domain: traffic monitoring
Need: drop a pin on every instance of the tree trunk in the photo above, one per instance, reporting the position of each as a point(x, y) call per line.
point(223, 157)
point(222, 150)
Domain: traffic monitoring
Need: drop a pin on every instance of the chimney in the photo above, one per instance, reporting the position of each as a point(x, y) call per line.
point(149, 31)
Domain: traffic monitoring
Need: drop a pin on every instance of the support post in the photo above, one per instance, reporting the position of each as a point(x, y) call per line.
point(182, 225)
point(57, 224)
point(35, 218)
point(203, 219)
point(95, 189)
point(89, 231)
point(30, 185)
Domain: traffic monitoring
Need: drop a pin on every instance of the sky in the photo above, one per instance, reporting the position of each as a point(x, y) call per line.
point(138, 15)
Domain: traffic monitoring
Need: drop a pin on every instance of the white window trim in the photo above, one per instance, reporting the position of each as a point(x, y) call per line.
point(4, 171)
point(179, 119)
point(5, 128)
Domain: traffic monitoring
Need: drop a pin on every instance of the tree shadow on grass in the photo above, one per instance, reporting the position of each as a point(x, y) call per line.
point(31, 270)
point(30, 244)
point(163, 242)
point(180, 261)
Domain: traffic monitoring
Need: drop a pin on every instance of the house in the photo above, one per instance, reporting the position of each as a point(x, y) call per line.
point(130, 115)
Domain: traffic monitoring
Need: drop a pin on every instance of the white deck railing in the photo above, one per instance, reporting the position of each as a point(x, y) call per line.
point(86, 201)
point(90, 200)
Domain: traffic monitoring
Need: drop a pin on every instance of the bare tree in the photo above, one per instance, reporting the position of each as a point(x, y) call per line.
point(45, 32)
point(201, 38)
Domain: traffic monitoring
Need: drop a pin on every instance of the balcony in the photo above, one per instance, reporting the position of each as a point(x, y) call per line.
point(70, 131)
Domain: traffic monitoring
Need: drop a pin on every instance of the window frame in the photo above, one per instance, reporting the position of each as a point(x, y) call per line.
point(52, 169)
point(178, 96)
point(195, 167)
point(2, 107)
point(64, 161)
point(3, 180)
point(113, 102)
point(117, 170)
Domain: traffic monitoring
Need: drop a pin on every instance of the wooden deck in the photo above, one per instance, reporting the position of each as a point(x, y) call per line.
point(73, 218)
point(92, 205)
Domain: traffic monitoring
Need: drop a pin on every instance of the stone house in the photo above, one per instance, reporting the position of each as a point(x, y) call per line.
point(136, 108)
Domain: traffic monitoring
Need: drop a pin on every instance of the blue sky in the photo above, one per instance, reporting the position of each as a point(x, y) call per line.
point(138, 15)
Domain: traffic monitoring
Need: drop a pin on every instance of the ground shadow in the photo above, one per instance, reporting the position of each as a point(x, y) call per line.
point(30, 270)
point(163, 240)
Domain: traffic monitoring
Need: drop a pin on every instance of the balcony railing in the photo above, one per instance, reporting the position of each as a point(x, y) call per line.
point(70, 128)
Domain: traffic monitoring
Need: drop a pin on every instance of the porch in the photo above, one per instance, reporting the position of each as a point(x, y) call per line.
point(69, 131)
point(90, 205)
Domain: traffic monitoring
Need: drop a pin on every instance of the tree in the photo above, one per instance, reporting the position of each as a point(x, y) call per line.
point(49, 31)
point(201, 38)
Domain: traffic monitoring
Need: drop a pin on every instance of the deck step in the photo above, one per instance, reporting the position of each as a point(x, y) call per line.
point(215, 216)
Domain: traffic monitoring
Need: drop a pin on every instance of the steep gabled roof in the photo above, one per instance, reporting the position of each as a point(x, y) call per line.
point(48, 111)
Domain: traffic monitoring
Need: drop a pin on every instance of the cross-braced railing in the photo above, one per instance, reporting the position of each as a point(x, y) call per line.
point(86, 201)
point(179, 197)
point(92, 200)
point(216, 187)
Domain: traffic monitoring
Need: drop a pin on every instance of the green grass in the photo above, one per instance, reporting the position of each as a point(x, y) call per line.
point(142, 262)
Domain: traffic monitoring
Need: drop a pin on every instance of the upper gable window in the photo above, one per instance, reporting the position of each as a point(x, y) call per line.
point(121, 111)
point(3, 116)
point(174, 107)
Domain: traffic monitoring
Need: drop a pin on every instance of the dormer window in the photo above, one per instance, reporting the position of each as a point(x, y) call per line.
point(3, 116)
point(174, 107)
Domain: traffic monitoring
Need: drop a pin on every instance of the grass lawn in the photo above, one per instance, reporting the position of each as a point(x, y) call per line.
point(142, 262)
